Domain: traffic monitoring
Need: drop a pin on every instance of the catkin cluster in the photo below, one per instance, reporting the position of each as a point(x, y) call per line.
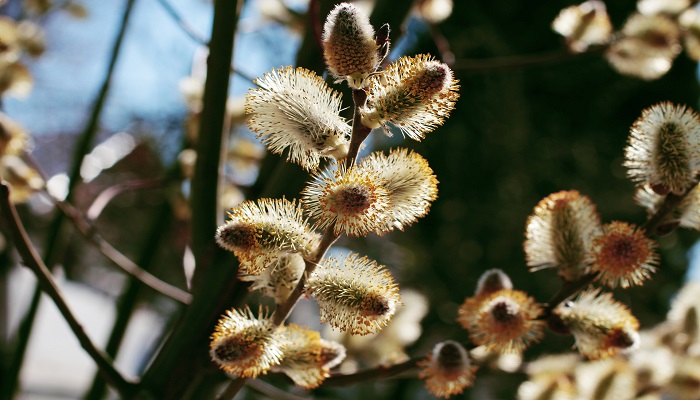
point(281, 244)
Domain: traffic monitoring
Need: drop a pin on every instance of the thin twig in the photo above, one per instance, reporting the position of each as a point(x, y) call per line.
point(284, 309)
point(54, 237)
point(32, 260)
point(338, 379)
point(442, 44)
point(119, 259)
point(232, 389)
point(199, 39)
point(187, 28)
point(272, 391)
point(106, 196)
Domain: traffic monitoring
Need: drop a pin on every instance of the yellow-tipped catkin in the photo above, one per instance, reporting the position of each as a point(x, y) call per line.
point(504, 321)
point(246, 345)
point(293, 109)
point(664, 148)
point(351, 201)
point(349, 45)
point(647, 48)
point(560, 233)
point(13, 139)
point(278, 278)
point(601, 326)
point(447, 370)
point(308, 358)
point(491, 281)
point(415, 94)
point(259, 231)
point(410, 181)
point(622, 255)
point(355, 294)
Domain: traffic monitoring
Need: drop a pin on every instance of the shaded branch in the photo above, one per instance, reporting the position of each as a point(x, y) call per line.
point(32, 260)
point(232, 389)
point(196, 37)
point(271, 391)
point(106, 196)
point(54, 236)
point(338, 379)
point(119, 259)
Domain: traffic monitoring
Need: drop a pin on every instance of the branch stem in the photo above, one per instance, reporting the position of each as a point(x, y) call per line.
point(31, 258)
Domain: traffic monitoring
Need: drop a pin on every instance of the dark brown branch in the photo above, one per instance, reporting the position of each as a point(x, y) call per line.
point(32, 260)
point(338, 379)
point(232, 389)
point(284, 309)
point(359, 131)
point(106, 196)
point(119, 259)
point(272, 391)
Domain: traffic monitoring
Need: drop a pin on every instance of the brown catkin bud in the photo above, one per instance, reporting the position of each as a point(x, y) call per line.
point(493, 280)
point(349, 46)
point(447, 370)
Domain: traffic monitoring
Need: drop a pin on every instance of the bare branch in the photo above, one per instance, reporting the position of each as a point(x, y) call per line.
point(32, 260)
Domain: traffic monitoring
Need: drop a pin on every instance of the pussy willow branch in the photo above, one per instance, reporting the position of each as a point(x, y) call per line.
point(284, 309)
point(33, 261)
point(569, 289)
point(359, 131)
point(358, 136)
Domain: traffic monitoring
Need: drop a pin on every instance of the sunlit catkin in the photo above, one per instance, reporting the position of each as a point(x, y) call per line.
point(307, 358)
point(504, 321)
point(601, 326)
point(646, 48)
point(622, 255)
point(350, 201)
point(560, 232)
point(664, 148)
point(259, 231)
point(410, 181)
point(447, 370)
point(355, 294)
point(349, 45)
point(293, 109)
point(245, 345)
point(416, 94)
